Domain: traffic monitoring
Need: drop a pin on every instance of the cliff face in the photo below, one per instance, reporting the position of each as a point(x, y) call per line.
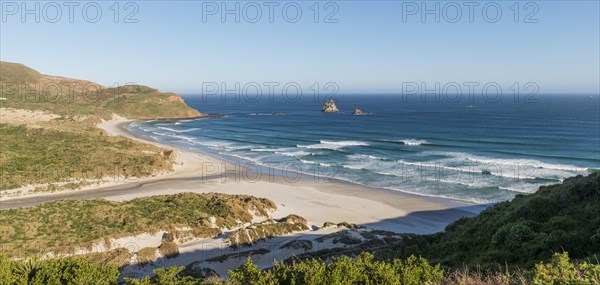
point(25, 88)
point(330, 107)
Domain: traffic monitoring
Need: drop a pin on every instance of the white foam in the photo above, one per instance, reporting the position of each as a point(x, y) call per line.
point(178, 131)
point(413, 142)
point(294, 153)
point(355, 167)
point(511, 167)
point(256, 161)
point(186, 138)
point(437, 195)
point(327, 144)
point(271, 149)
point(527, 189)
point(364, 156)
point(316, 163)
point(464, 164)
point(527, 163)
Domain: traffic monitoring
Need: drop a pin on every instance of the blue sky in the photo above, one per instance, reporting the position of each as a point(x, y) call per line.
point(370, 49)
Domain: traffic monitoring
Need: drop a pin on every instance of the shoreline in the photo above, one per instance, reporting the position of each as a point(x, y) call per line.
point(303, 176)
point(317, 201)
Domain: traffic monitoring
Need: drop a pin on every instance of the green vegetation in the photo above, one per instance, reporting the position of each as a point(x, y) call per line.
point(119, 257)
point(239, 254)
point(63, 225)
point(362, 270)
point(561, 270)
point(151, 105)
point(267, 229)
point(56, 154)
point(530, 228)
point(67, 271)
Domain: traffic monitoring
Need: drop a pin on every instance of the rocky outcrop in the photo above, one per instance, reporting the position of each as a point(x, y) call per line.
point(359, 112)
point(330, 107)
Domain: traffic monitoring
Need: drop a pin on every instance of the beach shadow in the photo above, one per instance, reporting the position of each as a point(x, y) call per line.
point(216, 255)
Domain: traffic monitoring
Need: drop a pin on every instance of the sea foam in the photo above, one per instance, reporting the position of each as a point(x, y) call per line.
point(413, 142)
point(327, 144)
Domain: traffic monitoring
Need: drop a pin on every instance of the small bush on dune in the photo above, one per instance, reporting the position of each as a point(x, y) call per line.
point(147, 255)
point(169, 249)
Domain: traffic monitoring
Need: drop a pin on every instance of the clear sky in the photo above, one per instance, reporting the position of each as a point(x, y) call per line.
point(375, 46)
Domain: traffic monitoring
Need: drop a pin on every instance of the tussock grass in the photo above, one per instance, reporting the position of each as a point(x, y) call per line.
point(62, 225)
point(39, 156)
point(169, 249)
point(147, 255)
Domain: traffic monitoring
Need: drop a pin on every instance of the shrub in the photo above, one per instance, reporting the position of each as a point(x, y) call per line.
point(147, 255)
point(513, 236)
point(345, 270)
point(165, 276)
point(63, 271)
point(249, 273)
point(560, 270)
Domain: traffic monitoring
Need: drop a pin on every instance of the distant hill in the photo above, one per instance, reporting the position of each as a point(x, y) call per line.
point(25, 88)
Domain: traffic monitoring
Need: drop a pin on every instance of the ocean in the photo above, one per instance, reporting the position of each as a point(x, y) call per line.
point(477, 150)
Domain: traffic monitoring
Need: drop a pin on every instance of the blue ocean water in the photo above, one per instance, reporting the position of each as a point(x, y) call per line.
point(475, 150)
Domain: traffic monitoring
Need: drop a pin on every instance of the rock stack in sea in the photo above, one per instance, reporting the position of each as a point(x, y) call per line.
point(359, 112)
point(330, 107)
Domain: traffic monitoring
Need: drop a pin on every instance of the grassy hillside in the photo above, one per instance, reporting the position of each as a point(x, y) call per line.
point(25, 88)
point(150, 104)
point(59, 226)
point(518, 233)
point(57, 154)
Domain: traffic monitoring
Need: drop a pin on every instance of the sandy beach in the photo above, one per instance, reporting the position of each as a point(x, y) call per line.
point(318, 200)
